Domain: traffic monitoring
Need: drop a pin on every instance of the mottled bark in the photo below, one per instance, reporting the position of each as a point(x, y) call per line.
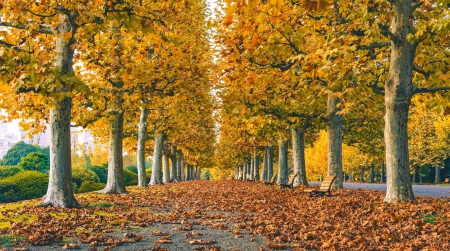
point(372, 173)
point(269, 162)
point(60, 190)
point(157, 159)
point(298, 152)
point(256, 163)
point(265, 171)
point(241, 173)
point(383, 175)
point(398, 93)
point(173, 160)
point(142, 138)
point(245, 170)
point(166, 169)
point(437, 175)
point(361, 175)
point(282, 162)
point(252, 169)
point(334, 132)
point(181, 164)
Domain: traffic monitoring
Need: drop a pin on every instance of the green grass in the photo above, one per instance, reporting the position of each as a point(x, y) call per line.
point(100, 205)
point(430, 218)
point(9, 240)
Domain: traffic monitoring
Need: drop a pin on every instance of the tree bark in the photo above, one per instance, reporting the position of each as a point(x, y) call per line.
point(361, 175)
point(372, 173)
point(415, 176)
point(252, 168)
point(180, 163)
point(350, 177)
point(265, 170)
point(245, 170)
point(241, 173)
point(382, 172)
point(398, 93)
point(437, 175)
point(173, 160)
point(142, 138)
point(60, 190)
point(157, 159)
point(282, 162)
point(256, 163)
point(334, 131)
point(269, 162)
point(298, 150)
point(166, 169)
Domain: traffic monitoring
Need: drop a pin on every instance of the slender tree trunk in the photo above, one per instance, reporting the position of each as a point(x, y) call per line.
point(382, 172)
point(398, 93)
point(372, 173)
point(265, 169)
point(269, 162)
point(252, 169)
point(142, 138)
point(350, 177)
point(415, 175)
point(334, 131)
point(180, 164)
point(256, 162)
point(236, 173)
point(421, 174)
point(361, 175)
point(437, 176)
point(241, 173)
point(173, 160)
point(245, 170)
point(60, 190)
point(282, 162)
point(157, 159)
point(166, 169)
point(298, 150)
point(198, 172)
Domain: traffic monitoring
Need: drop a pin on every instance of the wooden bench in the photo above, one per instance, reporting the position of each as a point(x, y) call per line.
point(272, 181)
point(290, 183)
point(324, 188)
point(447, 180)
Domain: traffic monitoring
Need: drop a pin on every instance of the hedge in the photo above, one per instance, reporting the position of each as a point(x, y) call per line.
point(101, 171)
point(7, 171)
point(89, 186)
point(23, 186)
point(80, 174)
point(132, 169)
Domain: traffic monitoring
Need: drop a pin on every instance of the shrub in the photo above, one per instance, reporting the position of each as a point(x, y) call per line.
point(132, 169)
point(35, 161)
point(101, 171)
point(7, 171)
point(130, 178)
point(89, 186)
point(80, 174)
point(23, 186)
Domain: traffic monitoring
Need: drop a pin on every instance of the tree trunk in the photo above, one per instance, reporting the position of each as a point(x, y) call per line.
point(241, 173)
point(298, 152)
point(236, 173)
point(256, 163)
point(437, 176)
point(269, 162)
point(252, 168)
point(334, 131)
point(282, 162)
point(245, 170)
point(180, 164)
point(265, 169)
point(157, 159)
point(372, 173)
point(60, 190)
point(115, 182)
point(198, 171)
point(382, 172)
point(173, 160)
point(350, 177)
point(421, 174)
point(142, 138)
point(166, 169)
point(361, 176)
point(415, 176)
point(398, 92)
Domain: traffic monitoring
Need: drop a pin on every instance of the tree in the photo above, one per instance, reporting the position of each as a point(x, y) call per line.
point(15, 154)
point(35, 161)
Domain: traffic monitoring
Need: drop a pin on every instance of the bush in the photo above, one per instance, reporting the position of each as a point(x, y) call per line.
point(80, 174)
point(130, 178)
point(132, 169)
point(89, 186)
point(35, 161)
point(23, 186)
point(101, 171)
point(7, 171)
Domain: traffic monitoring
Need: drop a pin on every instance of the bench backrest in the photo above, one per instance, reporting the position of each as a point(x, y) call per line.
point(326, 184)
point(273, 178)
point(292, 178)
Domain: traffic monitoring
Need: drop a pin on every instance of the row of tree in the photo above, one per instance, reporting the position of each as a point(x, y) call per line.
point(291, 68)
point(126, 70)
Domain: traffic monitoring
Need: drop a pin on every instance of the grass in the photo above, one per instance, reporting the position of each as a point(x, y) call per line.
point(9, 240)
point(101, 205)
point(430, 218)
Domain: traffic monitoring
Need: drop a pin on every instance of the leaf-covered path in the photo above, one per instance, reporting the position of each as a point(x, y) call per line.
point(244, 212)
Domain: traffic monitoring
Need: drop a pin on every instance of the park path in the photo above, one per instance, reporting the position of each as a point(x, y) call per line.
point(419, 190)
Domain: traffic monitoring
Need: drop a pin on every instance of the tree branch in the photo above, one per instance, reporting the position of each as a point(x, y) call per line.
point(42, 29)
point(430, 90)
point(12, 46)
point(374, 45)
point(426, 74)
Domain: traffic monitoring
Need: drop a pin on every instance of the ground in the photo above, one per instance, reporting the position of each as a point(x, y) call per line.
point(229, 215)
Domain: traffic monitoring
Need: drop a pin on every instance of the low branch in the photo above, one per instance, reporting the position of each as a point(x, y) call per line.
point(12, 46)
point(430, 90)
point(374, 45)
point(426, 74)
point(42, 29)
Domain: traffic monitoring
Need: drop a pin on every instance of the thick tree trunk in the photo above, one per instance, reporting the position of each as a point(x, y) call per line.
point(241, 173)
point(142, 138)
point(181, 167)
point(298, 150)
point(198, 172)
point(398, 92)
point(173, 160)
point(256, 163)
point(372, 173)
point(265, 170)
point(437, 175)
point(382, 172)
point(115, 182)
point(282, 162)
point(361, 175)
point(157, 159)
point(269, 162)
point(166, 169)
point(236, 173)
point(334, 131)
point(60, 190)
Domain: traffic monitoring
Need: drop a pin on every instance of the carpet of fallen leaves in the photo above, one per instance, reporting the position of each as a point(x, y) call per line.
point(348, 220)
